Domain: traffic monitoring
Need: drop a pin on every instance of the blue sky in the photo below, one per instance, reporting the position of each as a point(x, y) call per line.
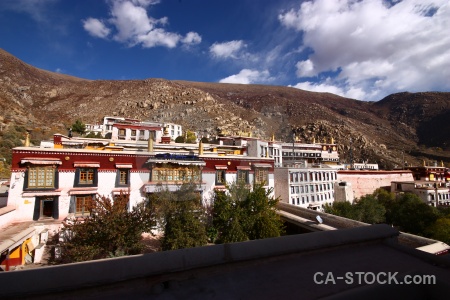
point(363, 49)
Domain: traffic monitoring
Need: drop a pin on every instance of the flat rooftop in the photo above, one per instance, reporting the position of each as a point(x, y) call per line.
point(279, 268)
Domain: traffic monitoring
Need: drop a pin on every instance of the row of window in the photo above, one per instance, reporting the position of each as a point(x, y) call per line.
point(312, 176)
point(261, 176)
point(312, 198)
point(311, 188)
point(300, 154)
point(135, 133)
point(45, 177)
point(440, 196)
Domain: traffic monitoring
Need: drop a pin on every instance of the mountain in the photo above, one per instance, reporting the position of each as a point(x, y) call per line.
point(410, 126)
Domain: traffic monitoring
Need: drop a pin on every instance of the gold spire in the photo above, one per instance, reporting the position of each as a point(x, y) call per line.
point(27, 140)
point(150, 144)
point(314, 140)
point(200, 148)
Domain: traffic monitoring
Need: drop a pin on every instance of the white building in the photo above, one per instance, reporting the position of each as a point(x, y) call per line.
point(315, 153)
point(306, 186)
point(432, 193)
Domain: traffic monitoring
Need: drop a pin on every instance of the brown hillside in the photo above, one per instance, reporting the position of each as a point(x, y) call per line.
point(409, 125)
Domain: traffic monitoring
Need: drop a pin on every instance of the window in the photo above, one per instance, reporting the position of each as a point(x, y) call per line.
point(133, 132)
point(176, 174)
point(41, 177)
point(83, 205)
point(262, 176)
point(242, 176)
point(86, 177)
point(220, 177)
point(123, 176)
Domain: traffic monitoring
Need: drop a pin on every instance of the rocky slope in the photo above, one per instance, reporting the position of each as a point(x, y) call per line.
point(413, 126)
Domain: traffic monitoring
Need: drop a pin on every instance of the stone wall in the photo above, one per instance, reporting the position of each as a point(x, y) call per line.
point(366, 182)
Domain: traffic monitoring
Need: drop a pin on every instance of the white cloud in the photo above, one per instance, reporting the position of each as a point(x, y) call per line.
point(130, 24)
point(229, 49)
point(96, 28)
point(130, 21)
point(145, 3)
point(247, 76)
point(192, 38)
point(159, 37)
point(305, 68)
point(399, 46)
point(355, 93)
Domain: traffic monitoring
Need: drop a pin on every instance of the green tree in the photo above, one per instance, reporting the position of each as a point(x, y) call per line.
point(440, 230)
point(369, 210)
point(110, 230)
point(79, 127)
point(190, 137)
point(95, 135)
point(4, 169)
point(229, 215)
point(243, 214)
point(342, 209)
point(412, 215)
point(181, 217)
point(12, 137)
point(387, 199)
point(179, 139)
point(264, 222)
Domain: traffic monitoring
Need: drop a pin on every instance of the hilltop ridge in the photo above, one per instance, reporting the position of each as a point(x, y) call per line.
point(413, 126)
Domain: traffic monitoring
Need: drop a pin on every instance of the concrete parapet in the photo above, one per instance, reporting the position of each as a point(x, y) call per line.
point(107, 271)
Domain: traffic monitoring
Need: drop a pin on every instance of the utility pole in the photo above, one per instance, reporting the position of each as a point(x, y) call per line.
point(293, 146)
point(351, 154)
point(436, 193)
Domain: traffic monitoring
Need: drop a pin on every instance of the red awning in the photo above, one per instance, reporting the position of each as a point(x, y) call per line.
point(82, 191)
point(124, 166)
point(244, 168)
point(41, 161)
point(257, 165)
point(86, 165)
point(221, 167)
point(42, 193)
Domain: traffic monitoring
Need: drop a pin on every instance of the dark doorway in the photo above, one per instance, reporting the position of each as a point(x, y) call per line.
point(47, 208)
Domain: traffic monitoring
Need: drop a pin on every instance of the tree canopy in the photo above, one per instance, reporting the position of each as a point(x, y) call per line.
point(110, 230)
point(243, 213)
point(412, 215)
point(79, 127)
point(405, 211)
point(180, 217)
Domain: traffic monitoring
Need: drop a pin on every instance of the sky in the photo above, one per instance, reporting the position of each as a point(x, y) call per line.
point(365, 50)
